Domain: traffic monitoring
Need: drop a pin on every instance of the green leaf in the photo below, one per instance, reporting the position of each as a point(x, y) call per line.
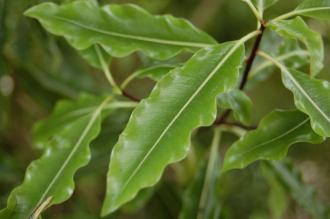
point(239, 102)
point(277, 198)
point(200, 200)
point(261, 5)
point(271, 140)
point(49, 180)
point(311, 96)
point(314, 8)
point(66, 113)
point(305, 195)
point(120, 29)
point(159, 129)
point(297, 29)
point(292, 54)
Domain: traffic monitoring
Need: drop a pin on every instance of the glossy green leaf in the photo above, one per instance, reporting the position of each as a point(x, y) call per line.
point(271, 140)
point(297, 29)
point(304, 195)
point(158, 132)
point(120, 29)
point(314, 8)
point(239, 102)
point(311, 96)
point(49, 180)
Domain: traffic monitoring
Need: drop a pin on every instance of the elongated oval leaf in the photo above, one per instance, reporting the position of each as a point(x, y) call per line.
point(297, 29)
point(239, 102)
point(50, 179)
point(158, 132)
point(311, 97)
point(276, 132)
point(314, 8)
point(120, 29)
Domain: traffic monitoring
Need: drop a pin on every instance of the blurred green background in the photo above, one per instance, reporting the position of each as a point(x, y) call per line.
point(37, 69)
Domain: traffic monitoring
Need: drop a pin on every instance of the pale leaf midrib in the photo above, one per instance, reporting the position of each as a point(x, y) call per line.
point(298, 11)
point(73, 151)
point(139, 38)
point(275, 138)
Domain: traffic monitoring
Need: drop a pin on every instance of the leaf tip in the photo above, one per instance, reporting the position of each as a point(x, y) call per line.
point(107, 208)
point(29, 12)
point(36, 10)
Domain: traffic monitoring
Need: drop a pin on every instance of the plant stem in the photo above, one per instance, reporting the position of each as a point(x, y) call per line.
point(233, 129)
point(252, 57)
point(129, 96)
point(254, 10)
point(297, 12)
point(210, 177)
point(246, 72)
point(269, 58)
point(106, 71)
point(129, 79)
point(116, 88)
point(283, 17)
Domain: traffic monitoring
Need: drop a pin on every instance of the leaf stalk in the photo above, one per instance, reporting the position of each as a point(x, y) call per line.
point(254, 10)
point(106, 71)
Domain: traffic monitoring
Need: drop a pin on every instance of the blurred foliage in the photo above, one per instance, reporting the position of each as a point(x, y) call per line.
point(37, 69)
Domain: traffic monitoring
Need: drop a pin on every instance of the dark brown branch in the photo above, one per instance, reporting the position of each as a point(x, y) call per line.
point(129, 96)
point(252, 57)
point(222, 118)
point(249, 63)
